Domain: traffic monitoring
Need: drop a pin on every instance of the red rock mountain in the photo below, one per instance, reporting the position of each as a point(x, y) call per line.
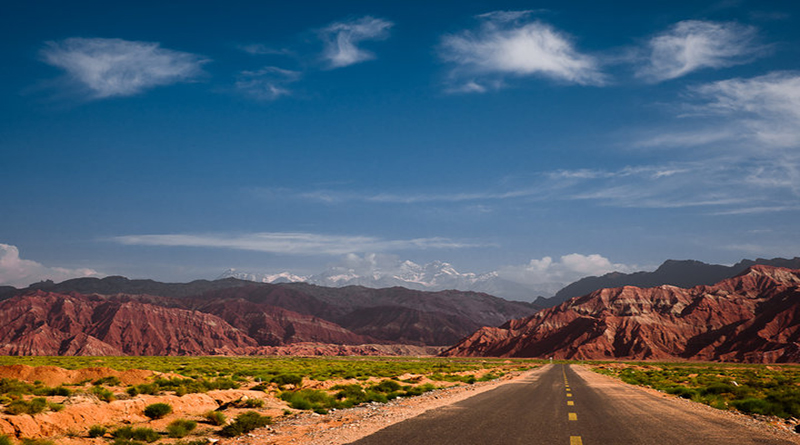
point(102, 317)
point(44, 323)
point(753, 317)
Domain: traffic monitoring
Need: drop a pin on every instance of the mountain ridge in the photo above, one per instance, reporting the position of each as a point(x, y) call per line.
point(752, 317)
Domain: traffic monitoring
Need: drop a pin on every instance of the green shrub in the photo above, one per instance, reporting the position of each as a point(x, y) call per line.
point(37, 442)
point(216, 418)
point(57, 391)
point(260, 387)
point(34, 406)
point(103, 393)
point(5, 440)
point(753, 405)
point(110, 381)
point(97, 431)
point(419, 390)
point(244, 423)
point(55, 406)
point(309, 399)
point(719, 388)
point(180, 428)
point(683, 392)
point(14, 386)
point(287, 379)
point(157, 410)
point(253, 403)
point(144, 388)
point(386, 386)
point(127, 433)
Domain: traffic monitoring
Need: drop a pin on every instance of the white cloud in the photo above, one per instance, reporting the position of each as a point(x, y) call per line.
point(566, 269)
point(342, 39)
point(509, 44)
point(17, 272)
point(293, 243)
point(268, 83)
point(692, 45)
point(765, 107)
point(116, 67)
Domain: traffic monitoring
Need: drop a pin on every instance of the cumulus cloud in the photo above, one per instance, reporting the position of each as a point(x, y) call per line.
point(116, 67)
point(692, 45)
point(342, 40)
point(508, 43)
point(17, 272)
point(293, 243)
point(268, 83)
point(566, 269)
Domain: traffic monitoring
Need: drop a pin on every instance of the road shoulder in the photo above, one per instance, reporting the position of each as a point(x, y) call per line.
point(348, 425)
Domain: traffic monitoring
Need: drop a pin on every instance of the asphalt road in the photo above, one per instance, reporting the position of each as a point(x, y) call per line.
point(564, 405)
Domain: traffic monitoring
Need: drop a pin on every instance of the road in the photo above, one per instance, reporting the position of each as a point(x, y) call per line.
point(569, 405)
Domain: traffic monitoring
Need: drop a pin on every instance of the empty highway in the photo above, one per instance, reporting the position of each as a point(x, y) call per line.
point(569, 405)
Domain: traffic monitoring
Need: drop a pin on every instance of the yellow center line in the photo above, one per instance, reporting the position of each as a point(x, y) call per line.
point(575, 440)
point(573, 416)
point(570, 403)
point(569, 395)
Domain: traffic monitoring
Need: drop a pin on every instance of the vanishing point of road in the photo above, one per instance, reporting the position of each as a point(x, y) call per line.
point(569, 405)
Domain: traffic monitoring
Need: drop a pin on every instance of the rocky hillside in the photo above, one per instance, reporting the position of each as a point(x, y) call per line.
point(753, 317)
point(681, 273)
point(104, 316)
point(45, 323)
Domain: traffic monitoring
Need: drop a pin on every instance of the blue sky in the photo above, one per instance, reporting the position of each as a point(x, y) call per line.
point(542, 139)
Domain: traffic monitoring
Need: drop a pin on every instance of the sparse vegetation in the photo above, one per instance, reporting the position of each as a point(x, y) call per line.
point(180, 428)
point(754, 389)
point(103, 393)
point(37, 442)
point(157, 410)
point(129, 434)
point(110, 381)
point(244, 423)
point(216, 418)
point(33, 406)
point(97, 431)
point(5, 440)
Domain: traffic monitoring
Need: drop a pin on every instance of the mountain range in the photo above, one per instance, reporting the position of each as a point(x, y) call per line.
point(753, 317)
point(434, 276)
point(115, 315)
point(439, 275)
point(685, 273)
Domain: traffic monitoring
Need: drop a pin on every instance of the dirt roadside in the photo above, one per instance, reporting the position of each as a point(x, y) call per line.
point(641, 396)
point(346, 426)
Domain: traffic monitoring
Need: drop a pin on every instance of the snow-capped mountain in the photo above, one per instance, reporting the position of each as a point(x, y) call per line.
point(433, 276)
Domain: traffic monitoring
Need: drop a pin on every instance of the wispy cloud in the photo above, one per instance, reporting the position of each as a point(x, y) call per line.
point(714, 186)
point(751, 127)
point(332, 196)
point(293, 243)
point(509, 43)
point(115, 67)
point(768, 107)
point(342, 40)
point(260, 49)
point(18, 272)
point(692, 45)
point(268, 83)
